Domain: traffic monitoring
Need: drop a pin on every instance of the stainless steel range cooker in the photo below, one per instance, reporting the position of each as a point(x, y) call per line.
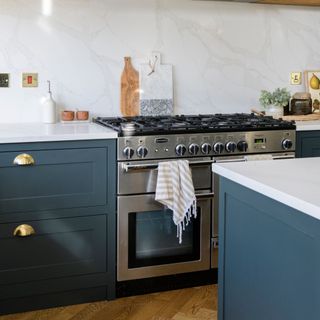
point(147, 244)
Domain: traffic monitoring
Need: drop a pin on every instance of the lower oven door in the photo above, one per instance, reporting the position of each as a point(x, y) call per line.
point(147, 239)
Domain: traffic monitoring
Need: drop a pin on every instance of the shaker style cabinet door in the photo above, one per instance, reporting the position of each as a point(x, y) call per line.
point(53, 248)
point(308, 144)
point(42, 180)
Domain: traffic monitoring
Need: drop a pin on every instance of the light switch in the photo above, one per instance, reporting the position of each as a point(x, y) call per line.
point(296, 78)
point(29, 80)
point(4, 80)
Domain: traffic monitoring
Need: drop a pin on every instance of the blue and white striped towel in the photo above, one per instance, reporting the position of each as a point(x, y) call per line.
point(176, 191)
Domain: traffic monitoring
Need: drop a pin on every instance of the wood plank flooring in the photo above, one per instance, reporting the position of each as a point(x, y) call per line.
point(198, 303)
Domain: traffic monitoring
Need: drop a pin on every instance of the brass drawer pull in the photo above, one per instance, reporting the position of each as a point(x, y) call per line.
point(23, 231)
point(24, 160)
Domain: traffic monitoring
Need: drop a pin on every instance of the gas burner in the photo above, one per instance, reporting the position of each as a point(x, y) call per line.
point(128, 128)
point(193, 124)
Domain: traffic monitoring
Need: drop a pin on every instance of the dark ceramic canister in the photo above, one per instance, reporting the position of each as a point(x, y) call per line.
point(301, 103)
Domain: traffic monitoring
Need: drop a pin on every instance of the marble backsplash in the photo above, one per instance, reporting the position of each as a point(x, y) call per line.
point(223, 53)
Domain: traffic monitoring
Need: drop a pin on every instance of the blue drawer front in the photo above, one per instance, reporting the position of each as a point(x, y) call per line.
point(58, 179)
point(59, 248)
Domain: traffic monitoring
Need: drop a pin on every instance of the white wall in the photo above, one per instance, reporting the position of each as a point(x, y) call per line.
point(223, 53)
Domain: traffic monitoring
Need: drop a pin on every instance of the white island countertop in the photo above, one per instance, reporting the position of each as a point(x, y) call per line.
point(308, 125)
point(293, 182)
point(39, 132)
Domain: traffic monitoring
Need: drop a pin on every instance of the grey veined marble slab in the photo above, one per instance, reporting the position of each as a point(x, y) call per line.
point(156, 107)
point(156, 87)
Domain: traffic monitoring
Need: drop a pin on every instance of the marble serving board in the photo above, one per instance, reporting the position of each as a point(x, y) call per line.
point(156, 90)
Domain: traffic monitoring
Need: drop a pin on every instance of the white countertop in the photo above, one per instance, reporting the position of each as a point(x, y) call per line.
point(37, 132)
point(308, 125)
point(294, 182)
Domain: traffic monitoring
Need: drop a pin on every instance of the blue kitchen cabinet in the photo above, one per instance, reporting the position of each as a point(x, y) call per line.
point(308, 144)
point(66, 197)
point(269, 258)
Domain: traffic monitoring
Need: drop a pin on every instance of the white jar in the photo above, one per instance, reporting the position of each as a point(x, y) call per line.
point(274, 111)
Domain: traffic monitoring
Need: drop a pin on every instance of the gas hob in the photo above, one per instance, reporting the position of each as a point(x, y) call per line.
point(192, 124)
point(186, 136)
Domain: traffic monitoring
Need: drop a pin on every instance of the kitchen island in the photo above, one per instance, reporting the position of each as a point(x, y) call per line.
point(269, 240)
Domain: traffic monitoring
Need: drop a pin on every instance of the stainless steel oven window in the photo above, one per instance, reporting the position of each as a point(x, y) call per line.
point(153, 239)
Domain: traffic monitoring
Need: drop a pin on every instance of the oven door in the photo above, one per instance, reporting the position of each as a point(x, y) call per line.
point(147, 239)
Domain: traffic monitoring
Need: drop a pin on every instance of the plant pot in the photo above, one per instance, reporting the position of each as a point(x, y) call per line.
point(274, 111)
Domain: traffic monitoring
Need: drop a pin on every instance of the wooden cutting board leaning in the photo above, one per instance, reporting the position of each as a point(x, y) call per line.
point(130, 91)
point(156, 87)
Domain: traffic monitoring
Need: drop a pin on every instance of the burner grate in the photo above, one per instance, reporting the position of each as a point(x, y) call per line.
point(194, 124)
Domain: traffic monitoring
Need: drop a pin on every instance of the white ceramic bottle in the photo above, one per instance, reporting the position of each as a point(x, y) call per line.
point(49, 112)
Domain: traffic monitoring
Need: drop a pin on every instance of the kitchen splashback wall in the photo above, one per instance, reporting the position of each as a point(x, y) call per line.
point(223, 53)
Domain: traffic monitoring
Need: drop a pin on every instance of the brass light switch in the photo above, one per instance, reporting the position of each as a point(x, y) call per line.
point(296, 78)
point(4, 80)
point(29, 80)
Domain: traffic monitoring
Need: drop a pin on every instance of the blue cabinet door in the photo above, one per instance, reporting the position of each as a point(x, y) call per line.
point(58, 179)
point(59, 248)
point(308, 144)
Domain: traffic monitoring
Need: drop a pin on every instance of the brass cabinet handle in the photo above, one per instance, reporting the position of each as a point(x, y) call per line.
point(23, 231)
point(24, 160)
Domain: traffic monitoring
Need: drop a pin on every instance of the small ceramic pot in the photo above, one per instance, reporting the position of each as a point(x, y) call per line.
point(82, 115)
point(274, 111)
point(67, 115)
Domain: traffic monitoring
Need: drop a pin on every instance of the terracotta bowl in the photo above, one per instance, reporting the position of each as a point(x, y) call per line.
point(82, 115)
point(67, 115)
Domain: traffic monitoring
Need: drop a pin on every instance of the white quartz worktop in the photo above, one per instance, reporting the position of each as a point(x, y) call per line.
point(37, 132)
point(308, 125)
point(294, 182)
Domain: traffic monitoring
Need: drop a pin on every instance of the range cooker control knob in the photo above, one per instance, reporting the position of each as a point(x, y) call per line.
point(243, 146)
point(181, 149)
point(287, 144)
point(128, 152)
point(231, 146)
point(194, 149)
point(142, 152)
point(218, 147)
point(206, 148)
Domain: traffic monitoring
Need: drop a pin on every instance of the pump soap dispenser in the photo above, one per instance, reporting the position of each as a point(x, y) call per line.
point(49, 113)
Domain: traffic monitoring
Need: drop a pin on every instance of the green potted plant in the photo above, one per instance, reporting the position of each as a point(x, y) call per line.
point(274, 102)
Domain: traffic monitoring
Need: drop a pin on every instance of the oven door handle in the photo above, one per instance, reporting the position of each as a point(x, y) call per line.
point(287, 156)
point(203, 196)
point(149, 166)
point(230, 160)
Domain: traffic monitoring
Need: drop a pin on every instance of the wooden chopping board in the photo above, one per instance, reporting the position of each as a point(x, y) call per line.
point(130, 93)
point(308, 117)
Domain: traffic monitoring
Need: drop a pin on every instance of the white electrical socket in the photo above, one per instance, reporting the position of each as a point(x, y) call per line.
point(296, 78)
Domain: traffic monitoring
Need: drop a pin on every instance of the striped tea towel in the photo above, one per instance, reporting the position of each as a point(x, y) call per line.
point(175, 190)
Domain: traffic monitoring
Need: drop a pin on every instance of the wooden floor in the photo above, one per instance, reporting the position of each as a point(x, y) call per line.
point(189, 304)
